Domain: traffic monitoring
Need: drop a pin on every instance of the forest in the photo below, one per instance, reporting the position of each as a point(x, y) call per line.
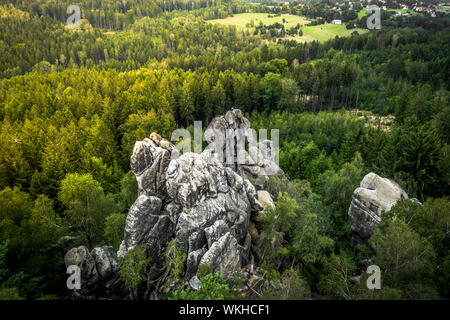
point(74, 102)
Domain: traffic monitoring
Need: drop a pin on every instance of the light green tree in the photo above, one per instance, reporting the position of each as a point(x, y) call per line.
point(114, 229)
point(133, 269)
point(86, 206)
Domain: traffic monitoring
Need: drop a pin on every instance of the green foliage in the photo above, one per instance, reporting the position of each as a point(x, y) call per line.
point(337, 189)
point(114, 229)
point(174, 261)
point(430, 221)
point(213, 287)
point(10, 294)
point(86, 206)
point(128, 192)
point(421, 153)
point(308, 245)
point(336, 280)
point(443, 277)
point(268, 271)
point(3, 266)
point(133, 269)
point(402, 255)
point(290, 286)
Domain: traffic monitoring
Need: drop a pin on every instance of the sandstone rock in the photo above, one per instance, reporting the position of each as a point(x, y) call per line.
point(105, 260)
point(228, 135)
point(201, 201)
point(143, 215)
point(195, 283)
point(223, 256)
point(82, 258)
point(375, 194)
point(216, 231)
point(265, 199)
point(98, 271)
point(193, 261)
point(195, 198)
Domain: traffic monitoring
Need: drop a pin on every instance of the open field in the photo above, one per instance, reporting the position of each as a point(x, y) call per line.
point(363, 12)
point(403, 11)
point(320, 33)
point(242, 19)
point(328, 31)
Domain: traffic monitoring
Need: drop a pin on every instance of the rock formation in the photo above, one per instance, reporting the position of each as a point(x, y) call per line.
point(211, 209)
point(229, 134)
point(375, 194)
point(98, 269)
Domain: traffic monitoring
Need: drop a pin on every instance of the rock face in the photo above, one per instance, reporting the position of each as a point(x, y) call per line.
point(375, 194)
point(229, 134)
point(98, 271)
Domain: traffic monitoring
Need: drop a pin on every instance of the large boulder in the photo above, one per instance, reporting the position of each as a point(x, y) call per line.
point(98, 271)
point(375, 194)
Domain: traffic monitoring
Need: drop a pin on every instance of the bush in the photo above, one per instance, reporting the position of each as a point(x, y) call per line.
point(133, 269)
point(213, 287)
point(291, 286)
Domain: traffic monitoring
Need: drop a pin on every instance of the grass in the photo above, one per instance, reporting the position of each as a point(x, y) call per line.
point(328, 31)
point(320, 33)
point(242, 19)
point(403, 11)
point(362, 13)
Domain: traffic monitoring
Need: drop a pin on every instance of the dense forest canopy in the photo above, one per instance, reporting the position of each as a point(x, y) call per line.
point(74, 102)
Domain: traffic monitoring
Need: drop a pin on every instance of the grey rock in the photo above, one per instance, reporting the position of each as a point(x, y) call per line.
point(375, 194)
point(193, 261)
point(142, 217)
point(105, 260)
point(98, 272)
point(197, 240)
point(216, 231)
point(224, 256)
point(195, 283)
point(265, 199)
point(82, 258)
point(228, 135)
point(149, 163)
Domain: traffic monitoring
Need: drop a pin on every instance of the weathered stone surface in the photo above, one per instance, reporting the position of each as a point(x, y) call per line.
point(195, 283)
point(82, 258)
point(265, 199)
point(375, 194)
point(105, 260)
point(229, 135)
point(224, 255)
point(201, 201)
point(149, 163)
point(142, 217)
point(98, 271)
point(216, 231)
point(193, 261)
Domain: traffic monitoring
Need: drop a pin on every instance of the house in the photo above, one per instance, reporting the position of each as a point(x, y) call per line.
point(336, 21)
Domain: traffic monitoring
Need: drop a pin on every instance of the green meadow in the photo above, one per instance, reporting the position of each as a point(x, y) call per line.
point(319, 33)
point(243, 19)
